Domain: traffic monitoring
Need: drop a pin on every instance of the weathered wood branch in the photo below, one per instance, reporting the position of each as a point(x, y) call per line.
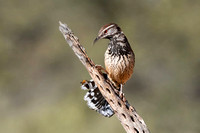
point(126, 114)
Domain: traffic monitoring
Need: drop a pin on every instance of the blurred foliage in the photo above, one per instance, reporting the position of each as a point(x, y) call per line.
point(40, 75)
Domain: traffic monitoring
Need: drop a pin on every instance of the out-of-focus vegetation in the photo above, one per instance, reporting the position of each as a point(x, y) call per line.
point(40, 75)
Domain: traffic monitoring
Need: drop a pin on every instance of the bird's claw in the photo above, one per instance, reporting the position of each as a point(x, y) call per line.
point(100, 68)
point(121, 94)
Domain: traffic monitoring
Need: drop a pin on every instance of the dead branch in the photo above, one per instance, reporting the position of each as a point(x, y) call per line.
point(126, 114)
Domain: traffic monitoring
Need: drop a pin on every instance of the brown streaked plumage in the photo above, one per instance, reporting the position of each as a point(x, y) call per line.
point(119, 64)
point(119, 57)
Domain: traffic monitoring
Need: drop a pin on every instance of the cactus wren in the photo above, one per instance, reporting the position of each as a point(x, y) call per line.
point(119, 64)
point(119, 57)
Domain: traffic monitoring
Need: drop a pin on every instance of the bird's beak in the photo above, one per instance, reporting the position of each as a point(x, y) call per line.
point(96, 40)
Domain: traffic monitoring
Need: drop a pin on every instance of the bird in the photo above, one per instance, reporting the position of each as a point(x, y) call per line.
point(119, 56)
point(119, 64)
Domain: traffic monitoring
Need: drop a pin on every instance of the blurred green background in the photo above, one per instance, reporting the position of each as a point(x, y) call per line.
point(40, 75)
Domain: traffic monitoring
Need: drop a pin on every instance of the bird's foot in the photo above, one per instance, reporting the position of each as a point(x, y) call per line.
point(100, 68)
point(121, 94)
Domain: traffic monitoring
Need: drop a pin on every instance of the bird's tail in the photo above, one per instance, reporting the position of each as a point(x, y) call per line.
point(95, 100)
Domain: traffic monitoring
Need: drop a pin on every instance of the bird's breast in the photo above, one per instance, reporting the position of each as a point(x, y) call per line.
point(119, 67)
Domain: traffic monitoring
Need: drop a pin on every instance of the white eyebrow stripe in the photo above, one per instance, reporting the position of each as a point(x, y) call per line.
point(107, 28)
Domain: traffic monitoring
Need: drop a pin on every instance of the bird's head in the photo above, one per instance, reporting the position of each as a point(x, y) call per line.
point(108, 31)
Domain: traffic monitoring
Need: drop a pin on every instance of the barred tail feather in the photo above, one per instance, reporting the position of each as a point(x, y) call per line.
point(95, 100)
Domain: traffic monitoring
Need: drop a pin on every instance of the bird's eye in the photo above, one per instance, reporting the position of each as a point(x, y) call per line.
point(105, 31)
